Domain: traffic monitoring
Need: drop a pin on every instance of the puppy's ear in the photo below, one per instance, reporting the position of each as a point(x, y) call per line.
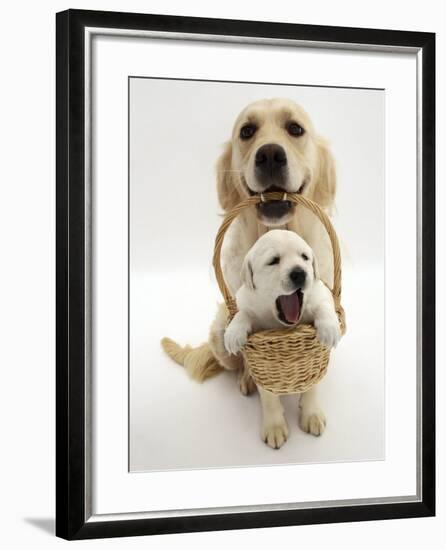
point(315, 268)
point(324, 184)
point(227, 180)
point(247, 274)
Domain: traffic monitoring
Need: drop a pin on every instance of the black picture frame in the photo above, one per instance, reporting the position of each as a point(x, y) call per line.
point(71, 512)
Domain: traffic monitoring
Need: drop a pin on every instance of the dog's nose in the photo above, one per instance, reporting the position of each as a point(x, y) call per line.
point(298, 276)
point(270, 158)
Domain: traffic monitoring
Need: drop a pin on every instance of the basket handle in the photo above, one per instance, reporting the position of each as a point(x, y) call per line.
point(297, 199)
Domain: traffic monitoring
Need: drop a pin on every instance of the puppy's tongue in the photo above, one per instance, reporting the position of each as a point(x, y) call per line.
point(290, 307)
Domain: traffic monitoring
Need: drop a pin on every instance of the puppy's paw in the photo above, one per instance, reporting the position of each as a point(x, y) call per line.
point(328, 332)
point(274, 434)
point(312, 421)
point(235, 338)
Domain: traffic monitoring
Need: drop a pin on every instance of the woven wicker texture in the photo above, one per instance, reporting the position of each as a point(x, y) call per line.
point(289, 360)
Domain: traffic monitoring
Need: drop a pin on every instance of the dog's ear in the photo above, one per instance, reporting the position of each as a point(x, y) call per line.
point(227, 180)
point(248, 275)
point(315, 267)
point(324, 184)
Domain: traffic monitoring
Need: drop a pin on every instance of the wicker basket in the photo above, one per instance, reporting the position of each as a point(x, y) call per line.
point(289, 360)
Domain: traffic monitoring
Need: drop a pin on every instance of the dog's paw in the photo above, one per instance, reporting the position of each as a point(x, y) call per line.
point(275, 434)
point(312, 422)
point(246, 383)
point(235, 338)
point(328, 332)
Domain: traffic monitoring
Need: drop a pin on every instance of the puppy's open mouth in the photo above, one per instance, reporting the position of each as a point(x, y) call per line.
point(289, 307)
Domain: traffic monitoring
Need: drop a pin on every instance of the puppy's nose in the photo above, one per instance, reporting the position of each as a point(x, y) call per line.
point(298, 276)
point(270, 158)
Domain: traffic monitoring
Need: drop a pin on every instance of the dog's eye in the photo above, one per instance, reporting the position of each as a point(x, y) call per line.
point(274, 261)
point(294, 129)
point(247, 131)
point(304, 257)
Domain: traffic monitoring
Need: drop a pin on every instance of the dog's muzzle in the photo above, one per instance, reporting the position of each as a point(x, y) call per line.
point(270, 162)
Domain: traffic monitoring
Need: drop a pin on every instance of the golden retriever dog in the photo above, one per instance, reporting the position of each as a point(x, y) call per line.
point(274, 147)
point(280, 288)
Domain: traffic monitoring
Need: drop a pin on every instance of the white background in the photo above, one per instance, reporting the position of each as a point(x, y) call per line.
point(173, 151)
point(27, 219)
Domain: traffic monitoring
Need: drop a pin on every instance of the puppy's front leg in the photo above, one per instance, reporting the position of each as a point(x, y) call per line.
point(274, 427)
point(237, 331)
point(326, 321)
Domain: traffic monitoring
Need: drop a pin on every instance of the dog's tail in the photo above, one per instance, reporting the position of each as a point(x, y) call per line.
point(200, 362)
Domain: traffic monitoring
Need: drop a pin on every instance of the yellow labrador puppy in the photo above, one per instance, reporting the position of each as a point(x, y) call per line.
point(274, 147)
point(280, 287)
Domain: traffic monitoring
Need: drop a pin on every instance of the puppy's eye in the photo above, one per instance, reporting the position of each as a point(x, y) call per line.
point(304, 257)
point(274, 261)
point(295, 129)
point(247, 131)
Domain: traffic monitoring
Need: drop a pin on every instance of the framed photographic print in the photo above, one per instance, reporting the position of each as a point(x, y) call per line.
point(245, 274)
